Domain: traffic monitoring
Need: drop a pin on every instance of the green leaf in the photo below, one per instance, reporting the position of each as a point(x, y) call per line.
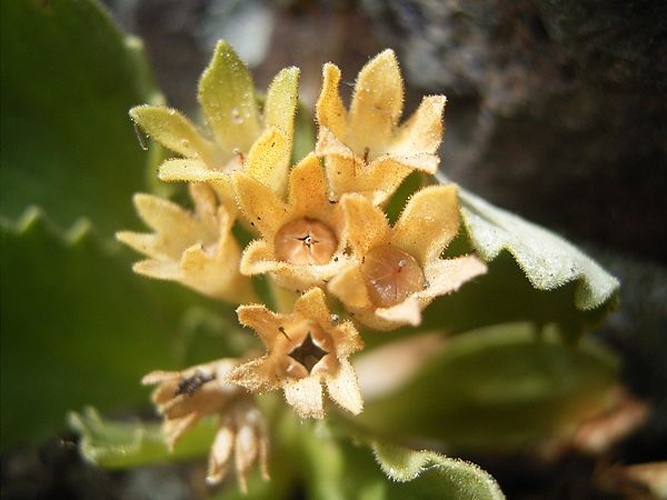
point(128, 444)
point(440, 476)
point(68, 78)
point(339, 469)
point(494, 389)
point(548, 261)
point(79, 328)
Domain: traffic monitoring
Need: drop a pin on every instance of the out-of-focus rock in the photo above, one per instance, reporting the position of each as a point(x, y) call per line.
point(558, 109)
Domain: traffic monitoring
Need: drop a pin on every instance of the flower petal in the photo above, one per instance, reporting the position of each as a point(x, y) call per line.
point(269, 160)
point(349, 287)
point(162, 216)
point(246, 449)
point(255, 375)
point(376, 105)
point(366, 226)
point(221, 452)
point(281, 101)
point(447, 275)
point(174, 131)
point(308, 189)
point(305, 396)
point(329, 110)
point(196, 171)
point(429, 221)
point(423, 131)
point(312, 305)
point(343, 388)
point(265, 322)
point(227, 98)
point(260, 205)
point(407, 312)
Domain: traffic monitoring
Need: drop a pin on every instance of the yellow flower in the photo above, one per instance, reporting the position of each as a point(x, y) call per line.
point(397, 271)
point(229, 104)
point(198, 250)
point(184, 398)
point(301, 241)
point(366, 149)
point(306, 349)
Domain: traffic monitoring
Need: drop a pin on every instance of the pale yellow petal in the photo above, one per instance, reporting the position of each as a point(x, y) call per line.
point(196, 171)
point(349, 287)
point(260, 205)
point(300, 277)
point(308, 190)
point(216, 277)
point(246, 450)
point(343, 388)
point(448, 275)
point(265, 322)
point(423, 131)
point(158, 269)
point(163, 216)
point(269, 160)
point(429, 221)
point(145, 243)
point(305, 396)
point(312, 305)
point(424, 162)
point(329, 144)
point(257, 258)
point(281, 101)
point(329, 110)
point(366, 226)
point(174, 131)
point(255, 375)
point(221, 452)
point(376, 105)
point(407, 312)
point(210, 215)
point(380, 179)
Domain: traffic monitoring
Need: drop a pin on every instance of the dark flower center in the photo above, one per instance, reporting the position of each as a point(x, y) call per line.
point(308, 353)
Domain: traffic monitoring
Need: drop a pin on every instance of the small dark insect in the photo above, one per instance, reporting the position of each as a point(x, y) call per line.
point(192, 384)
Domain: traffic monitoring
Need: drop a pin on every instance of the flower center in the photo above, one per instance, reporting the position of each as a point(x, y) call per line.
point(308, 353)
point(305, 241)
point(391, 275)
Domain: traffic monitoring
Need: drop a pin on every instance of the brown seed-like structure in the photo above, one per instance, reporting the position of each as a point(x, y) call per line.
point(391, 275)
point(305, 241)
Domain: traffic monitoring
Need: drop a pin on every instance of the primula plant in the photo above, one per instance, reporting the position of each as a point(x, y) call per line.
point(367, 313)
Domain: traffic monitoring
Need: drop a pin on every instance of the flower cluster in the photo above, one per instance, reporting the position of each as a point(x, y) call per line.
point(322, 238)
